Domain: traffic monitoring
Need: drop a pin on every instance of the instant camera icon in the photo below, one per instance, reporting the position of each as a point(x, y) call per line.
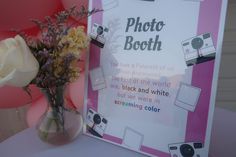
point(192, 149)
point(96, 123)
point(98, 35)
point(199, 49)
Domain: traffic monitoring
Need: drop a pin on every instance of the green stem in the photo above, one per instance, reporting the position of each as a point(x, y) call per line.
point(44, 133)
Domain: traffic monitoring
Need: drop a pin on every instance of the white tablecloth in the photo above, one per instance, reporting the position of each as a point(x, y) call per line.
point(27, 143)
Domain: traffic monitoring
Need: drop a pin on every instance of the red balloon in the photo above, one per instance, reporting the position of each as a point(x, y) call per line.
point(76, 92)
point(35, 111)
point(11, 97)
point(81, 64)
point(78, 3)
point(17, 14)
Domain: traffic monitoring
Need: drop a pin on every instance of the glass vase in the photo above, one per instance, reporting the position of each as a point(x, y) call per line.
point(59, 124)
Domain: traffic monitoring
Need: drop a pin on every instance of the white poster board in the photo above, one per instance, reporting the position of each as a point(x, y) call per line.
point(152, 74)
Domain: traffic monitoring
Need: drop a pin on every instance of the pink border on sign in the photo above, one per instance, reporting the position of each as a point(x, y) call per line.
point(94, 58)
point(209, 22)
point(154, 151)
point(112, 138)
point(209, 19)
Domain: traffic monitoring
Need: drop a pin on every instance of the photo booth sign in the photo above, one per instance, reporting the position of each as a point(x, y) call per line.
point(152, 74)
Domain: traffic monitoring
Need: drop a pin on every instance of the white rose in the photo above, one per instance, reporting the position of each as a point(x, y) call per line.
point(18, 66)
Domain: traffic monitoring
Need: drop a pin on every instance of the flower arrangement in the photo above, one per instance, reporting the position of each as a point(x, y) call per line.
point(49, 61)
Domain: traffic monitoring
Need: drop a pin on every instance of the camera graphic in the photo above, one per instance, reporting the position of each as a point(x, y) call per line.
point(98, 35)
point(192, 149)
point(96, 123)
point(199, 49)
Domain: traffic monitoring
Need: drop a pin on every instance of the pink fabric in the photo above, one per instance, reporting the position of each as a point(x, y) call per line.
point(36, 110)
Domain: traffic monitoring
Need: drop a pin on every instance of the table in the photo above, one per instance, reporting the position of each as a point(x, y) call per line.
point(27, 143)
